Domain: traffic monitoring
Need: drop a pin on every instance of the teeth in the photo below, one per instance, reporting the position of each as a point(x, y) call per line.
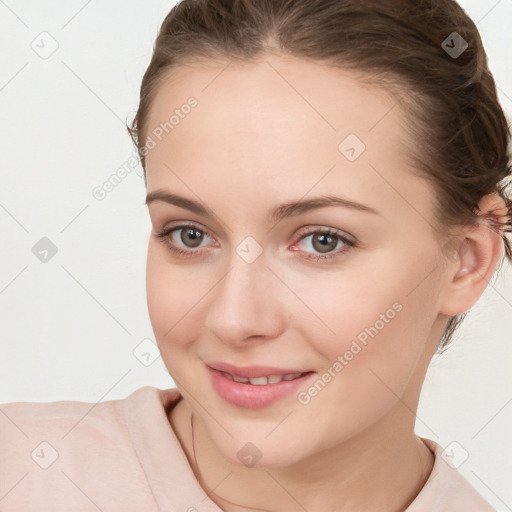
point(258, 381)
point(262, 381)
point(291, 376)
point(236, 378)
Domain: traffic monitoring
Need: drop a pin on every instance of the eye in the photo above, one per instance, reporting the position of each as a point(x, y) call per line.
point(324, 241)
point(189, 236)
point(185, 239)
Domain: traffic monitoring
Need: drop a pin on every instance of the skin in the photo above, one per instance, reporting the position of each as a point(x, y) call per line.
point(264, 133)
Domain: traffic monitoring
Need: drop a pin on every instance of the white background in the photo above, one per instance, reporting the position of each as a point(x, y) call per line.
point(69, 326)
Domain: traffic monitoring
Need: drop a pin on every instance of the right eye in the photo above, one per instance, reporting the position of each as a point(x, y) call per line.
point(188, 235)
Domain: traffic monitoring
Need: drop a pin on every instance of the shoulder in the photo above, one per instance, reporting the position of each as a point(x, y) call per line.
point(446, 489)
point(71, 419)
point(70, 446)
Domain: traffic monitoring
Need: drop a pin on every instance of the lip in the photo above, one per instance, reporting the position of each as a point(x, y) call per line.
point(248, 396)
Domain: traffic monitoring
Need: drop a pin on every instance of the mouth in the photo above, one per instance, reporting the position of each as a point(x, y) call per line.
point(255, 386)
point(263, 381)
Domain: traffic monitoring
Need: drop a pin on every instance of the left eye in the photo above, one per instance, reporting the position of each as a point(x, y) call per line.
point(191, 237)
point(325, 241)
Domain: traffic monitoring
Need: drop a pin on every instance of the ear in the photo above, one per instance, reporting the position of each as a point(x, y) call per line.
point(472, 263)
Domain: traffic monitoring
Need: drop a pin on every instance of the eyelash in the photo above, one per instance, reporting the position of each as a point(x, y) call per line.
point(163, 237)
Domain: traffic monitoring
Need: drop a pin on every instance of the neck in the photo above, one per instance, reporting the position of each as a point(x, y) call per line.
point(381, 469)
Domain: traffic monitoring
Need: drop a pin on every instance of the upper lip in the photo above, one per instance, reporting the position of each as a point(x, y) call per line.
point(252, 371)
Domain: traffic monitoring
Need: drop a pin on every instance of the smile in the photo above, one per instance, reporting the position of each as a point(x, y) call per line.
point(263, 381)
point(262, 388)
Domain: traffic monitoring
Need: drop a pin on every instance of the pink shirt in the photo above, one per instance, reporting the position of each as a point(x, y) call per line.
point(123, 455)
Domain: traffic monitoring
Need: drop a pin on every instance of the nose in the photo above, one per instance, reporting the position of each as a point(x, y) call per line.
point(246, 304)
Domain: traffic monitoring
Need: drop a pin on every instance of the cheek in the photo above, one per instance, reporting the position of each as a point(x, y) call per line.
point(174, 300)
point(368, 367)
point(378, 325)
point(352, 306)
point(390, 299)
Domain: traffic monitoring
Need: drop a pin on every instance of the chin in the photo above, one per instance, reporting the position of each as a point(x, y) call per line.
point(260, 454)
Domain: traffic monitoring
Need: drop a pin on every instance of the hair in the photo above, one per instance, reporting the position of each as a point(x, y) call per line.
point(460, 130)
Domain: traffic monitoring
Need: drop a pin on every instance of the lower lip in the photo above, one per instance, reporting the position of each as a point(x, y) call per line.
point(249, 396)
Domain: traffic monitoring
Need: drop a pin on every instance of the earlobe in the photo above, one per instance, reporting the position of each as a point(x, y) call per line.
point(470, 271)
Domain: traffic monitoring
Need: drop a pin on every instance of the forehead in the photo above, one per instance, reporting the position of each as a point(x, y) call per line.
point(274, 92)
point(278, 124)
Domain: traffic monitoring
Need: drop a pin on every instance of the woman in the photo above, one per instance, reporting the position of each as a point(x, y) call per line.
point(326, 187)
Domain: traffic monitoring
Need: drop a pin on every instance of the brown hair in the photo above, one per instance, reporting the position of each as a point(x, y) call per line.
point(460, 129)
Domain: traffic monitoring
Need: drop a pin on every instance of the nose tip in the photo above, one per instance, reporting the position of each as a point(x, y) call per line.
point(244, 305)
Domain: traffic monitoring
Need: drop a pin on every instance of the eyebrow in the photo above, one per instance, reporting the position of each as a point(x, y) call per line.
point(288, 209)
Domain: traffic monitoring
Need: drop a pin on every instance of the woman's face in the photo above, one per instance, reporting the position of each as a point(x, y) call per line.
point(252, 289)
